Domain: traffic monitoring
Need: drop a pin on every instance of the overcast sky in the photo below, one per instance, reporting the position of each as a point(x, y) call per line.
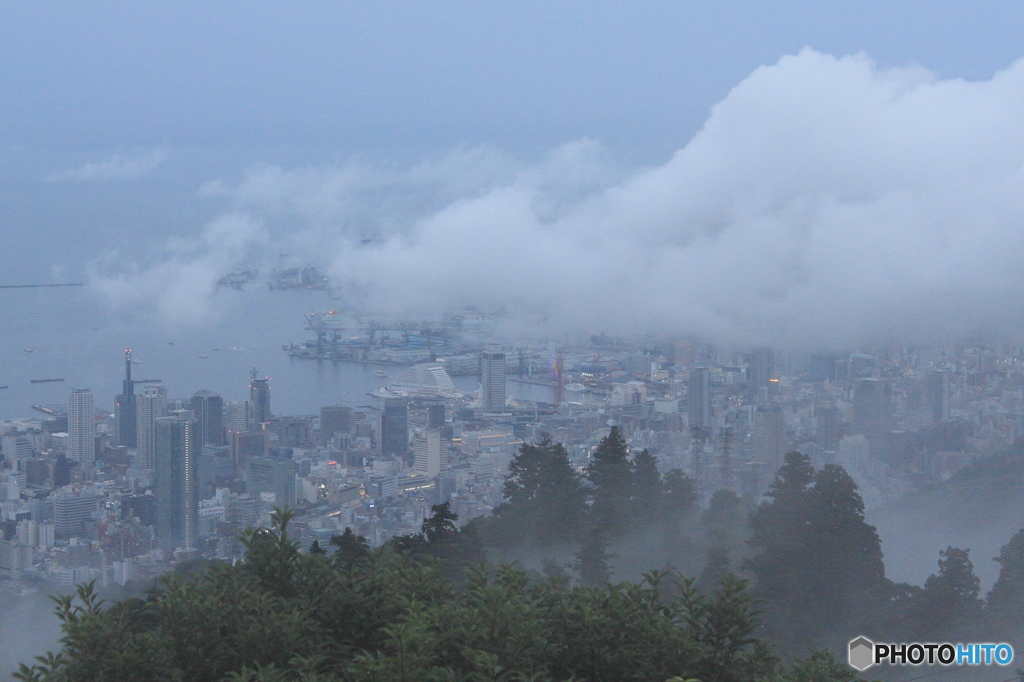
point(639, 76)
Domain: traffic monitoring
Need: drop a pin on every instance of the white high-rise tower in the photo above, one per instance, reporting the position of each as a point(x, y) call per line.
point(492, 380)
point(81, 426)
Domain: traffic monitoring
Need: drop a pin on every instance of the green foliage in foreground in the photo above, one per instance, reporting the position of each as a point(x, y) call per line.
point(390, 615)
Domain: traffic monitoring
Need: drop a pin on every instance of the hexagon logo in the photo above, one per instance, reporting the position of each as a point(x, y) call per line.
point(862, 653)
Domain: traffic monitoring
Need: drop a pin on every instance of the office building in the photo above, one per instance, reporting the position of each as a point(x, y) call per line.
point(435, 416)
point(71, 509)
point(238, 416)
point(872, 409)
point(427, 450)
point(828, 426)
point(271, 475)
point(334, 419)
point(762, 367)
point(699, 398)
point(492, 380)
point(208, 409)
point(81, 426)
point(247, 444)
point(259, 396)
point(176, 486)
point(125, 420)
point(149, 407)
point(394, 427)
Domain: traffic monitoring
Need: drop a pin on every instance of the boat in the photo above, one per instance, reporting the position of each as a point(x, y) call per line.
point(380, 373)
point(170, 343)
point(30, 350)
point(203, 357)
point(2, 387)
point(43, 381)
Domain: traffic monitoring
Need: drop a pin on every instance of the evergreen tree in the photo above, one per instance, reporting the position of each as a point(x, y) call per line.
point(591, 561)
point(611, 475)
point(680, 495)
point(544, 499)
point(351, 548)
point(648, 490)
point(820, 564)
point(1005, 603)
point(716, 567)
point(949, 604)
point(680, 503)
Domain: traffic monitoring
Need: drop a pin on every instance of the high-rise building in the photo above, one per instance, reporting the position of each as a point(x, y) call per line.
point(769, 437)
point(492, 380)
point(937, 395)
point(334, 419)
point(238, 416)
point(827, 418)
point(872, 409)
point(435, 416)
point(125, 420)
point(71, 508)
point(426, 448)
point(762, 367)
point(271, 475)
point(208, 409)
point(149, 408)
point(259, 396)
point(176, 486)
point(394, 427)
point(81, 426)
point(247, 444)
point(699, 398)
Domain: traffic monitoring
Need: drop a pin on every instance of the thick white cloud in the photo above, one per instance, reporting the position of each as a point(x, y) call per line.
point(825, 201)
point(182, 288)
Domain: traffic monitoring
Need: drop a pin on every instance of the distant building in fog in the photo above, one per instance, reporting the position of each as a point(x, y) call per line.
point(492, 380)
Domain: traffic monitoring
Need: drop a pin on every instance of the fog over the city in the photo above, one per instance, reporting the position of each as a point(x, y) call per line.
point(825, 201)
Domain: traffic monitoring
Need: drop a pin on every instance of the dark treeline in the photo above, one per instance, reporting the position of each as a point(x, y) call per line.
point(778, 584)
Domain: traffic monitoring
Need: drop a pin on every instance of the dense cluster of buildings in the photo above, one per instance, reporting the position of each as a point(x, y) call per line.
point(116, 497)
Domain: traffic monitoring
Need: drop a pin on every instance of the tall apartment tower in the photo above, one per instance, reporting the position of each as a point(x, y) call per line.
point(176, 486)
point(149, 408)
point(81, 426)
point(125, 408)
point(699, 398)
point(937, 394)
point(426, 448)
point(259, 395)
point(762, 371)
point(208, 409)
point(394, 427)
point(492, 380)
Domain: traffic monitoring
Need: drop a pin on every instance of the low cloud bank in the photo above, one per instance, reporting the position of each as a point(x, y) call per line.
point(824, 202)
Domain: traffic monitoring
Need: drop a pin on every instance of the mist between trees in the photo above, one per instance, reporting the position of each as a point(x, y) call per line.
point(529, 593)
